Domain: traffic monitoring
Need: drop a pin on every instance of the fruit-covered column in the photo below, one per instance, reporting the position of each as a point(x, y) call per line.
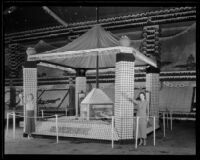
point(80, 87)
point(124, 89)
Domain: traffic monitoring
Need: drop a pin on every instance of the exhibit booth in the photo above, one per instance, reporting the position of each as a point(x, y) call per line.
point(97, 49)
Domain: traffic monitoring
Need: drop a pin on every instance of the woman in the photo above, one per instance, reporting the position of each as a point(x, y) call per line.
point(30, 123)
point(20, 105)
point(143, 112)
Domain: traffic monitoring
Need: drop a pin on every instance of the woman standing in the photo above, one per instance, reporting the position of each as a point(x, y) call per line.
point(20, 104)
point(30, 123)
point(142, 106)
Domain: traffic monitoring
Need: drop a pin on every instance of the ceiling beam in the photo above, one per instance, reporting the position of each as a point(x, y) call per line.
point(52, 14)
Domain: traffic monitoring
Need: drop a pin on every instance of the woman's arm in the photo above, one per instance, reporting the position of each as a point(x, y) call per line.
point(131, 100)
point(135, 101)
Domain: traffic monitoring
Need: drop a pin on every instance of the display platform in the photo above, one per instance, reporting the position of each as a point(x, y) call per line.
point(73, 127)
point(79, 128)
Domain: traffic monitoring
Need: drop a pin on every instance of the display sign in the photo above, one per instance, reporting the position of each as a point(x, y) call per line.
point(77, 128)
point(70, 130)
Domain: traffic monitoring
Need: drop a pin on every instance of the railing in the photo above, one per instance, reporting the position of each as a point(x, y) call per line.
point(112, 122)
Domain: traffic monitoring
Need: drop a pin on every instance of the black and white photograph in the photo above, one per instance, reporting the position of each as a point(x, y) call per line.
point(99, 80)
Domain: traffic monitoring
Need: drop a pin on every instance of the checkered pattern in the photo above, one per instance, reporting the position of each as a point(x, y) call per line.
point(30, 84)
point(80, 86)
point(152, 85)
point(123, 111)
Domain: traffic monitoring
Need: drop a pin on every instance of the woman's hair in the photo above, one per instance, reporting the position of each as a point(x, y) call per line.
point(31, 95)
point(138, 98)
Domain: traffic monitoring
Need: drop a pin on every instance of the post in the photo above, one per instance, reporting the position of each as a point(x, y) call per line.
point(136, 135)
point(167, 118)
point(24, 107)
point(56, 128)
point(154, 130)
point(112, 131)
point(24, 117)
point(171, 119)
point(7, 123)
point(42, 113)
point(14, 125)
point(97, 72)
point(164, 123)
point(66, 111)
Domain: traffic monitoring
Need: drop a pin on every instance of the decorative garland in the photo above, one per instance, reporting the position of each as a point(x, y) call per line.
point(111, 80)
point(15, 59)
point(150, 45)
point(164, 76)
point(177, 84)
point(133, 19)
point(180, 19)
point(66, 30)
point(138, 72)
point(151, 13)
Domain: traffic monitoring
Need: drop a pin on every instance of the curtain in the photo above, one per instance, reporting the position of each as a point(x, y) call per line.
point(175, 99)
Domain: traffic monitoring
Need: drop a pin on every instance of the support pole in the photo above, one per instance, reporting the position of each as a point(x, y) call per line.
point(167, 118)
point(42, 113)
point(136, 135)
point(112, 131)
point(171, 119)
point(66, 110)
point(56, 128)
point(154, 130)
point(14, 125)
point(97, 60)
point(24, 115)
point(97, 71)
point(164, 123)
point(7, 123)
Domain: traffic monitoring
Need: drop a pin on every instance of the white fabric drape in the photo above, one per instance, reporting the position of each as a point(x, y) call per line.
point(175, 99)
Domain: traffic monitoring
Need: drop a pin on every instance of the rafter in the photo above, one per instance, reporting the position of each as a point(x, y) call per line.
point(52, 14)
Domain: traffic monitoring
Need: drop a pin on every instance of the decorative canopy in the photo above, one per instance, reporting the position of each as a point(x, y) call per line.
point(82, 52)
point(97, 96)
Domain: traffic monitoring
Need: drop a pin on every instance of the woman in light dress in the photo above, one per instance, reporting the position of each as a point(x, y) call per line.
point(30, 121)
point(142, 106)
